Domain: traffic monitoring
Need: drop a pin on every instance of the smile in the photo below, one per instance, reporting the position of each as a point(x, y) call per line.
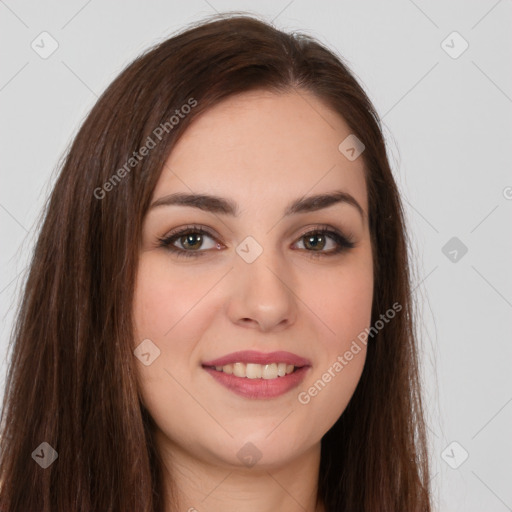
point(258, 375)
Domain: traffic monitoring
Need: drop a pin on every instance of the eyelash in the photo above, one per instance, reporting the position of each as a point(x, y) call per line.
point(344, 243)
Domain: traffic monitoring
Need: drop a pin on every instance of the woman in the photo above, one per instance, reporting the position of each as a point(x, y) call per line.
point(218, 314)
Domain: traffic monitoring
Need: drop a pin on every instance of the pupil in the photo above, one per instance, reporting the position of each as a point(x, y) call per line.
point(189, 240)
point(310, 241)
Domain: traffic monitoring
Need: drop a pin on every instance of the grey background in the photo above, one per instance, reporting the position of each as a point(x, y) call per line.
point(448, 126)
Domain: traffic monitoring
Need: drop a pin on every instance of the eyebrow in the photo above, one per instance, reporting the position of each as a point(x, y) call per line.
point(216, 204)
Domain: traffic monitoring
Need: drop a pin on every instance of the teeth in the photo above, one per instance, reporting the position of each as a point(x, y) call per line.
point(253, 371)
point(257, 371)
point(270, 371)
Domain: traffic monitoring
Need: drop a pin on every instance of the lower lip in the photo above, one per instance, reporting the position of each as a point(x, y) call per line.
point(259, 388)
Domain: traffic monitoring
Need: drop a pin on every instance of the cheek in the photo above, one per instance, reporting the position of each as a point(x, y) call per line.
point(163, 308)
point(353, 306)
point(341, 300)
point(172, 309)
point(163, 297)
point(351, 317)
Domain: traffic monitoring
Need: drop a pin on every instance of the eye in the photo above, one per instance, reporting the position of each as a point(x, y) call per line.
point(190, 239)
point(318, 239)
point(187, 241)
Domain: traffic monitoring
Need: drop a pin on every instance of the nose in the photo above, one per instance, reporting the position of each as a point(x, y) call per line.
point(261, 294)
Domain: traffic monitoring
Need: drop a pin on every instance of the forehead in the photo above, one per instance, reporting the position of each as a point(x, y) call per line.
point(261, 145)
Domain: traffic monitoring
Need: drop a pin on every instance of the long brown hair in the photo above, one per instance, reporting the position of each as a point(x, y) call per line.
point(72, 380)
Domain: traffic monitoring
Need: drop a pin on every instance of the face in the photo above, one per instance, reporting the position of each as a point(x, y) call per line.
point(246, 275)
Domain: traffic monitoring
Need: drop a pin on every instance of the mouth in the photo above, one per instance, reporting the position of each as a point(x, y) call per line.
point(258, 375)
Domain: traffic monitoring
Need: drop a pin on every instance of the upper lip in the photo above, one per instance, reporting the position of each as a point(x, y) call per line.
point(252, 356)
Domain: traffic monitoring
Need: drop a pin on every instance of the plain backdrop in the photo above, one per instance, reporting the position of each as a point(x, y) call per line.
point(439, 75)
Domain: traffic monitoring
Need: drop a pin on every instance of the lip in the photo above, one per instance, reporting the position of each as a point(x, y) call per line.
point(260, 388)
point(253, 356)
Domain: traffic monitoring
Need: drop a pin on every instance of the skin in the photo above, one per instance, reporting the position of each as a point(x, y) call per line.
point(261, 150)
